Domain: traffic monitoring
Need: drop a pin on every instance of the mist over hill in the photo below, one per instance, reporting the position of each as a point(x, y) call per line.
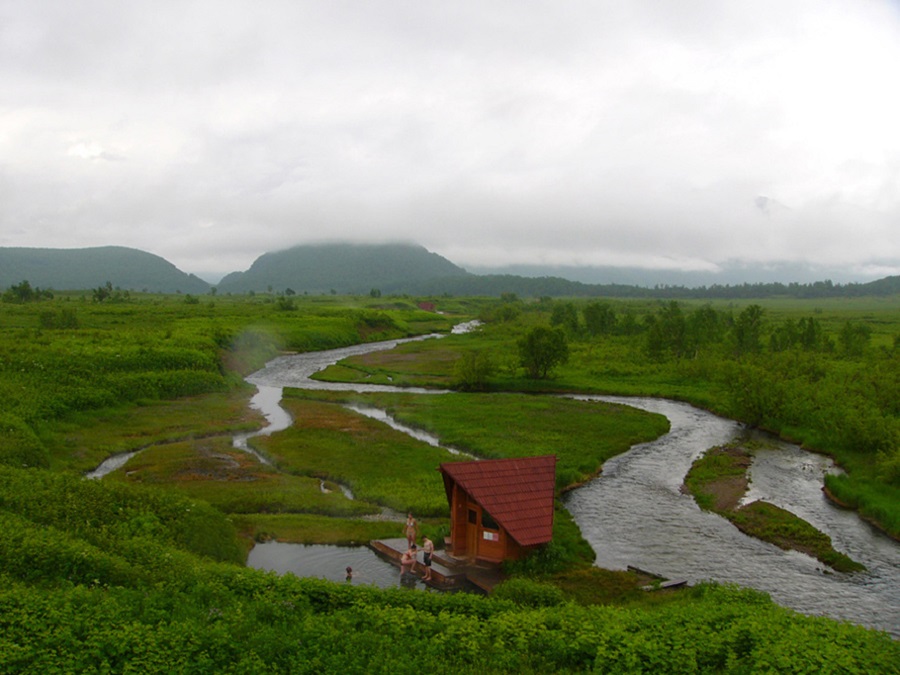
point(343, 268)
point(729, 273)
point(84, 268)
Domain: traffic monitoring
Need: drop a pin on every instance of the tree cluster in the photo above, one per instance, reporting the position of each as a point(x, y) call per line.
point(541, 350)
point(23, 292)
point(106, 292)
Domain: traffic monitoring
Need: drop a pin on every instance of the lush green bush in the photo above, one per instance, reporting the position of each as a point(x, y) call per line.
point(529, 593)
point(40, 554)
point(106, 515)
point(19, 445)
point(873, 499)
point(245, 621)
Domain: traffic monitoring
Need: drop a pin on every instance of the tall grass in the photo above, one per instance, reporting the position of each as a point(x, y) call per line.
point(873, 500)
point(581, 434)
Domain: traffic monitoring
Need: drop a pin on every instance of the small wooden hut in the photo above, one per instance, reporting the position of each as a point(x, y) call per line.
point(499, 508)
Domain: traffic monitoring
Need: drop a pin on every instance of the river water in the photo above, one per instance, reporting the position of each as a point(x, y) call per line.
point(634, 513)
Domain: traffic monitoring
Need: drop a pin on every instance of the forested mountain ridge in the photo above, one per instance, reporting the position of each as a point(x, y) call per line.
point(497, 284)
point(343, 268)
point(84, 268)
point(359, 269)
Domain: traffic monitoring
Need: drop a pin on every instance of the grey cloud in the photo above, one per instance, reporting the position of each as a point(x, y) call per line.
point(210, 132)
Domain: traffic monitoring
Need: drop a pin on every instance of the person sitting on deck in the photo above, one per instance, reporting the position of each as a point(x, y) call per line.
point(408, 561)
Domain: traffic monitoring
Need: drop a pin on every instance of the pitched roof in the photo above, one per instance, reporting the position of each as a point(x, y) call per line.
point(518, 493)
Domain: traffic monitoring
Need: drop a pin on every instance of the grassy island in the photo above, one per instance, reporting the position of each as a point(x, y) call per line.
point(718, 481)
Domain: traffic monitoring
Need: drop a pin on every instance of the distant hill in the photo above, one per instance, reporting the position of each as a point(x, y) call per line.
point(343, 268)
point(886, 286)
point(410, 268)
point(85, 268)
point(358, 268)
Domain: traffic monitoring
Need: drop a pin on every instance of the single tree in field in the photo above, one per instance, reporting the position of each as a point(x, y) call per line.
point(747, 331)
point(599, 318)
point(541, 350)
point(473, 369)
point(566, 316)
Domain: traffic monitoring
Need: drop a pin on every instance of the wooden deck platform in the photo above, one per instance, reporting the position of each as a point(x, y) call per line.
point(659, 582)
point(447, 573)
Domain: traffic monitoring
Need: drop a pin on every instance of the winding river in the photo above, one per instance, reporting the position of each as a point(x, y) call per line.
point(634, 513)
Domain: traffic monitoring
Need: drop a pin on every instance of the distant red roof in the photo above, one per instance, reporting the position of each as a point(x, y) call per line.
point(518, 493)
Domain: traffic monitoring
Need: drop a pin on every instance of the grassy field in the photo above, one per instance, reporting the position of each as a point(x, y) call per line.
point(378, 464)
point(581, 434)
point(81, 441)
point(234, 481)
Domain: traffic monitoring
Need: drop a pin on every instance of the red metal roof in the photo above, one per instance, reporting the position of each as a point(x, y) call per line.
point(518, 493)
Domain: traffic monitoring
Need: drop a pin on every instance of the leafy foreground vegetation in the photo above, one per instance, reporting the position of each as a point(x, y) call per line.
point(239, 622)
point(141, 572)
point(718, 480)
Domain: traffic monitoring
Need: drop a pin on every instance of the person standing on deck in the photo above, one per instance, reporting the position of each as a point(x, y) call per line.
point(427, 552)
point(411, 529)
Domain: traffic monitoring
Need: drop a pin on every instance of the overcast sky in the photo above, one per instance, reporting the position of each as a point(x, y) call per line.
point(647, 133)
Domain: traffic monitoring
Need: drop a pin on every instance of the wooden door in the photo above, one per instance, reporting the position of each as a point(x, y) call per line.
point(472, 533)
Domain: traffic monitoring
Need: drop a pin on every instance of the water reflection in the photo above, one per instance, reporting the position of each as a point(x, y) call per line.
point(331, 563)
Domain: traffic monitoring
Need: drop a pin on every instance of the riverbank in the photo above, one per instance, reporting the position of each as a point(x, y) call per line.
point(878, 525)
point(718, 481)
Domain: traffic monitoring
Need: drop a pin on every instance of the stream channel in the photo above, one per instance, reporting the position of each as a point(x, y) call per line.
point(634, 513)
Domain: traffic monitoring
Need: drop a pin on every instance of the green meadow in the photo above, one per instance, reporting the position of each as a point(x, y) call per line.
point(581, 434)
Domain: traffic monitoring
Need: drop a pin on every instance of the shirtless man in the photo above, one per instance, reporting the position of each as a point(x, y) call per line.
point(408, 561)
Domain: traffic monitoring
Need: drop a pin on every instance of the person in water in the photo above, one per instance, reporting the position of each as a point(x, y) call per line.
point(427, 552)
point(411, 530)
point(349, 573)
point(408, 561)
